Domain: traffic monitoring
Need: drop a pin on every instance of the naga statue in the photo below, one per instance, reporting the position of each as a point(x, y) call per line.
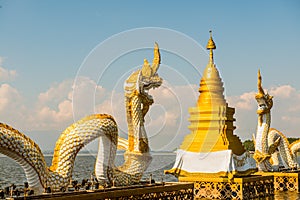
point(137, 103)
point(27, 153)
point(272, 148)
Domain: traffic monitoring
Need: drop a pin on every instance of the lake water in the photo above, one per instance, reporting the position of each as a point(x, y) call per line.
point(11, 172)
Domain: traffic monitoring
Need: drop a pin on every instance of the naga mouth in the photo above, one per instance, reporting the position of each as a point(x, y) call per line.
point(148, 86)
point(262, 107)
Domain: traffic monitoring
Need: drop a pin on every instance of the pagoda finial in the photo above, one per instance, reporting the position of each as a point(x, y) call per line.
point(210, 46)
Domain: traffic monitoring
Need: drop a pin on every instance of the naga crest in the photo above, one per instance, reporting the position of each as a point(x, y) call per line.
point(264, 101)
point(146, 78)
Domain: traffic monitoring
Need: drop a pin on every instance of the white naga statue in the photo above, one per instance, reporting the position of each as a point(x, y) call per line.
point(27, 153)
point(272, 148)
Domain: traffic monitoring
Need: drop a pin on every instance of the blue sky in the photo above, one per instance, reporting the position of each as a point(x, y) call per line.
point(43, 44)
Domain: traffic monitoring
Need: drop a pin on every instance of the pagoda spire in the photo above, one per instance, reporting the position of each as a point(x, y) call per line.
point(210, 46)
point(211, 85)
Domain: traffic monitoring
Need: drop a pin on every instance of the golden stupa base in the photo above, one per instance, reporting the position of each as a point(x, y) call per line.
point(285, 181)
point(250, 187)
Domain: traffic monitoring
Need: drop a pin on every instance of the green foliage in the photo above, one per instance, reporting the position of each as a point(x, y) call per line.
point(249, 145)
point(291, 140)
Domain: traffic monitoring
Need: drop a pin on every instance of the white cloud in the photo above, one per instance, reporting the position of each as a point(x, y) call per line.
point(296, 108)
point(289, 119)
point(284, 91)
point(12, 109)
point(6, 74)
point(244, 101)
point(114, 105)
point(86, 95)
point(8, 95)
point(56, 93)
point(53, 109)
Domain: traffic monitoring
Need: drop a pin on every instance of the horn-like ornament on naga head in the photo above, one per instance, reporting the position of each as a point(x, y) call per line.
point(260, 90)
point(148, 71)
point(264, 100)
point(156, 59)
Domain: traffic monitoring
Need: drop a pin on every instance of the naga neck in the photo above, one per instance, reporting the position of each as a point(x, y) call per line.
point(136, 109)
point(263, 126)
point(261, 154)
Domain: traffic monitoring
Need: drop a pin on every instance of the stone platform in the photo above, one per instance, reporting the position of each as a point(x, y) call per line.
point(250, 187)
point(285, 181)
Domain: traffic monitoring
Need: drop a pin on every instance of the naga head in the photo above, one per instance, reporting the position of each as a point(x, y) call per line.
point(264, 101)
point(148, 77)
point(144, 79)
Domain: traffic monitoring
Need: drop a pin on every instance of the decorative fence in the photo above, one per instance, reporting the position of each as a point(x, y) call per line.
point(238, 188)
point(285, 181)
point(152, 191)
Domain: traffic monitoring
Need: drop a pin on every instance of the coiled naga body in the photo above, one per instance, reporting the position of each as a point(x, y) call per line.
point(272, 148)
point(24, 151)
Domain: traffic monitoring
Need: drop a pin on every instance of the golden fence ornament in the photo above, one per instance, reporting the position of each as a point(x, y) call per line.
point(285, 181)
point(239, 188)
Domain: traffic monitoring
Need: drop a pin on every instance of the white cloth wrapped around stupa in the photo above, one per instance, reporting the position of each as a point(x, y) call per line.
point(214, 164)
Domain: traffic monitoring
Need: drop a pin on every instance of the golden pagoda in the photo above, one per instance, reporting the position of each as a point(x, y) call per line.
point(212, 119)
point(211, 156)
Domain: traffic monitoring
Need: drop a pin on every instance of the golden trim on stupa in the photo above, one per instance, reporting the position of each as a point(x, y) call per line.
point(212, 119)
